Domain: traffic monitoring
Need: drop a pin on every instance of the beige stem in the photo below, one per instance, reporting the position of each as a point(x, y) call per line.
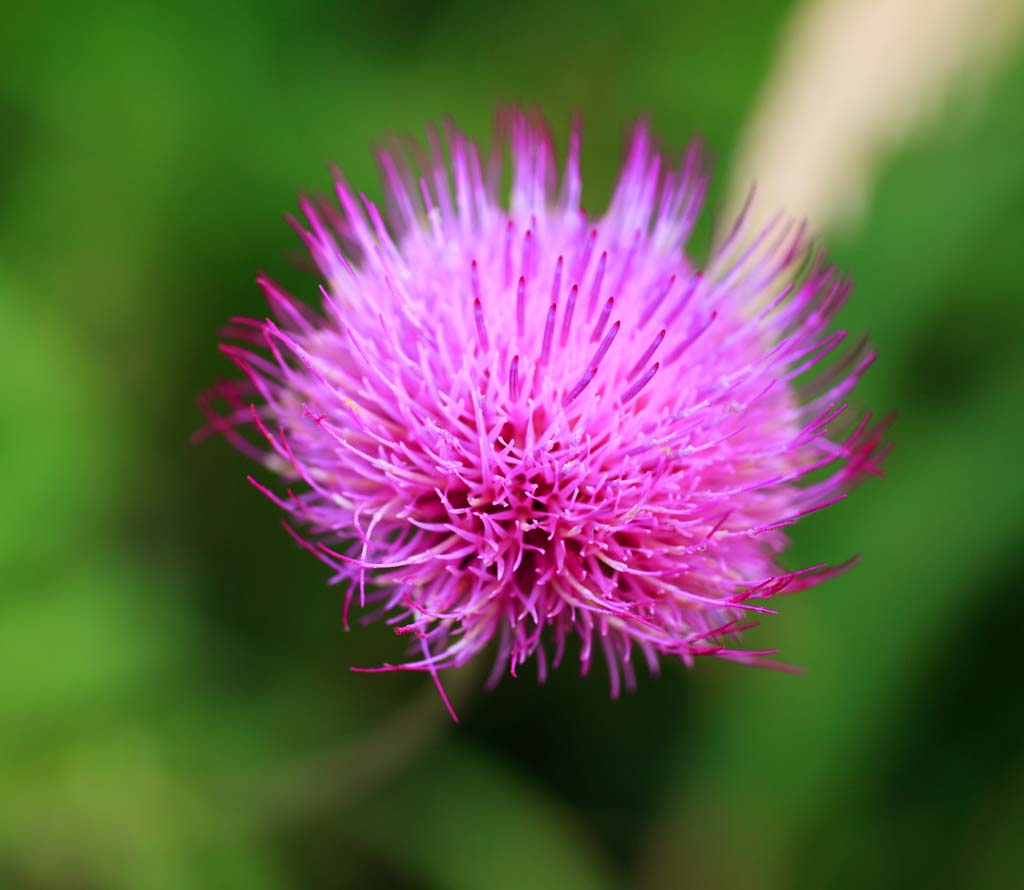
point(852, 80)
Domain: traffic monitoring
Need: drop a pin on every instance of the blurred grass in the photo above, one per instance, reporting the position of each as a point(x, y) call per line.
point(159, 637)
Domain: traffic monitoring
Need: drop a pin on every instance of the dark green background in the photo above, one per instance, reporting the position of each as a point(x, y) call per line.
point(175, 705)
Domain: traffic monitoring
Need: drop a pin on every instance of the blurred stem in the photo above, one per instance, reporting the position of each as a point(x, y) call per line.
point(853, 79)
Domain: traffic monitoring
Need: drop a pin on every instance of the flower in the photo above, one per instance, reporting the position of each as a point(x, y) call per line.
point(511, 423)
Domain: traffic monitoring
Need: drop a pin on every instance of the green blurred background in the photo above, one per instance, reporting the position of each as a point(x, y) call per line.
point(176, 709)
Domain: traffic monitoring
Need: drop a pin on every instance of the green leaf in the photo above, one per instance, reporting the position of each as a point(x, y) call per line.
point(462, 821)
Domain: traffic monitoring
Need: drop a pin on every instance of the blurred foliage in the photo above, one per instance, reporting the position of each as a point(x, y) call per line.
point(175, 705)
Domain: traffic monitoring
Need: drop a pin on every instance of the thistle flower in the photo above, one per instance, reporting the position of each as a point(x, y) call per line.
point(512, 423)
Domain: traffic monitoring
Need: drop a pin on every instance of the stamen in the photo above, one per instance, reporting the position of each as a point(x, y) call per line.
point(521, 306)
point(557, 283)
point(527, 257)
point(595, 363)
point(584, 258)
point(606, 343)
point(595, 290)
point(549, 330)
point(567, 320)
point(509, 231)
point(656, 301)
point(474, 277)
point(513, 379)
point(684, 300)
point(481, 328)
point(603, 320)
point(581, 385)
point(689, 341)
point(627, 266)
point(646, 357)
point(641, 383)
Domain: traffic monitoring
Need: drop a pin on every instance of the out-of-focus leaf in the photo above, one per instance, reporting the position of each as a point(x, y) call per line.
point(57, 454)
point(70, 653)
point(462, 821)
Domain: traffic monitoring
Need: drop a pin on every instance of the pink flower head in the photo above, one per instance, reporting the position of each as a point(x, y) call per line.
point(512, 423)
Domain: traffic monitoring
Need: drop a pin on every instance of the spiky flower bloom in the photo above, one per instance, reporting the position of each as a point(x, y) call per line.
point(512, 423)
